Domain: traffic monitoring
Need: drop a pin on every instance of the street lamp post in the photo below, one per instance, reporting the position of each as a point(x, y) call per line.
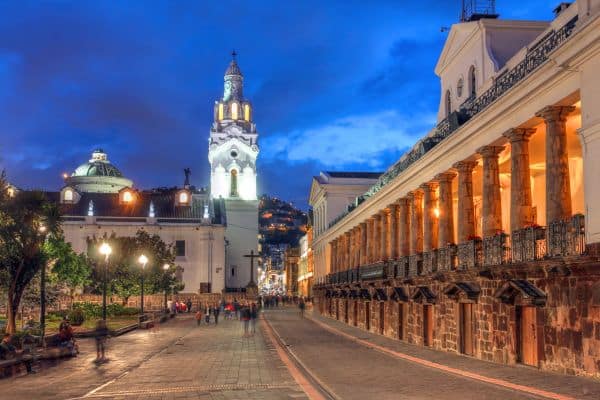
point(42, 230)
point(105, 250)
point(166, 268)
point(143, 260)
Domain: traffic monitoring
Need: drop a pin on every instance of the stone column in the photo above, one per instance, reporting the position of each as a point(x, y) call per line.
point(558, 190)
point(491, 208)
point(333, 255)
point(363, 243)
point(416, 221)
point(357, 246)
point(376, 237)
point(430, 219)
point(445, 205)
point(384, 252)
point(394, 231)
point(370, 223)
point(346, 251)
point(466, 210)
point(521, 214)
point(403, 227)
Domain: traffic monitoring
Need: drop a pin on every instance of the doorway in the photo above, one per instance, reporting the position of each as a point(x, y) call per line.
point(355, 313)
point(367, 315)
point(346, 311)
point(527, 338)
point(465, 328)
point(381, 317)
point(337, 309)
point(401, 321)
point(428, 325)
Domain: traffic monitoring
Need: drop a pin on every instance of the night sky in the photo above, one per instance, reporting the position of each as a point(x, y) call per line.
point(336, 85)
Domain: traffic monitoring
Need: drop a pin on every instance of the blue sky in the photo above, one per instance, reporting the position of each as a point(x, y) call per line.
point(336, 85)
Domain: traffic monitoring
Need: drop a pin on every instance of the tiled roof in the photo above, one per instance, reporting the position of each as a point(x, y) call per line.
point(107, 205)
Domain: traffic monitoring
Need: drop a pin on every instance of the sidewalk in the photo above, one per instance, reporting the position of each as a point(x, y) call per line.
point(570, 386)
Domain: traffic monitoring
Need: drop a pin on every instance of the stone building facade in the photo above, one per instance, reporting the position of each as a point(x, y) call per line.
point(483, 239)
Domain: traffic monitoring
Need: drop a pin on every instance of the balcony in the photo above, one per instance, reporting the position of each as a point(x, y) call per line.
point(560, 239)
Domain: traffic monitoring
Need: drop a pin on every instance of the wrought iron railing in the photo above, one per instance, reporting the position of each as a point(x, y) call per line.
point(528, 244)
point(430, 261)
point(470, 254)
point(448, 258)
point(566, 238)
point(496, 250)
point(536, 55)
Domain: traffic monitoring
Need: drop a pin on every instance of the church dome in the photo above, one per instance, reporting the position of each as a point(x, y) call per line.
point(233, 68)
point(98, 175)
point(98, 165)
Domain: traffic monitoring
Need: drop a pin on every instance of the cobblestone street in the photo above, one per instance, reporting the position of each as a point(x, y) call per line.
point(182, 361)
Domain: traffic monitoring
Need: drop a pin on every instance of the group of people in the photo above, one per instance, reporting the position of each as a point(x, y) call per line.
point(208, 312)
point(246, 312)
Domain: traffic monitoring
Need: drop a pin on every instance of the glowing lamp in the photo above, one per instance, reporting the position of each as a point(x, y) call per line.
point(143, 260)
point(105, 249)
point(436, 212)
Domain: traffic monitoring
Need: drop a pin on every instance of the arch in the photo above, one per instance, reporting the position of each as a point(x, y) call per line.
point(472, 82)
point(448, 102)
point(220, 111)
point(234, 110)
point(233, 190)
point(68, 196)
point(247, 112)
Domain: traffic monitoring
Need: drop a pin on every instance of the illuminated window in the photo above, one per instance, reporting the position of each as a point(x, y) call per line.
point(247, 112)
point(234, 190)
point(220, 111)
point(234, 110)
point(11, 192)
point(127, 197)
point(183, 197)
point(68, 195)
point(180, 248)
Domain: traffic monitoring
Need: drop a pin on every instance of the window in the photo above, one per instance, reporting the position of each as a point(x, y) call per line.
point(234, 110)
point(448, 103)
point(247, 112)
point(220, 111)
point(459, 87)
point(233, 189)
point(232, 271)
point(180, 248)
point(472, 82)
point(68, 195)
point(183, 198)
point(127, 197)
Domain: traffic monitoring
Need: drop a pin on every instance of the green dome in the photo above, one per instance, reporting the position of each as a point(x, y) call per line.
point(98, 165)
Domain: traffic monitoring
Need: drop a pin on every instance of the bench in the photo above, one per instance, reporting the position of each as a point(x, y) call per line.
point(11, 366)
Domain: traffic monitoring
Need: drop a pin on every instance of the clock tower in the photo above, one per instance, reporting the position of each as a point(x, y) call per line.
point(232, 153)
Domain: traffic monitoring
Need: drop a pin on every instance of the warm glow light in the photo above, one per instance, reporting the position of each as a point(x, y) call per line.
point(11, 192)
point(127, 197)
point(105, 249)
point(68, 195)
point(436, 212)
point(166, 267)
point(42, 228)
point(247, 112)
point(65, 175)
point(183, 197)
point(220, 111)
point(143, 260)
point(234, 111)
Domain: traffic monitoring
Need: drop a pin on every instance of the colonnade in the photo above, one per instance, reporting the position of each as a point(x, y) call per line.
point(423, 220)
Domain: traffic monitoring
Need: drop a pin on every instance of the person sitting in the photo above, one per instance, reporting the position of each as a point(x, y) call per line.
point(66, 338)
point(9, 352)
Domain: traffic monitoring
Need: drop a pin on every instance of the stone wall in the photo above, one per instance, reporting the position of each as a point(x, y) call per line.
point(567, 323)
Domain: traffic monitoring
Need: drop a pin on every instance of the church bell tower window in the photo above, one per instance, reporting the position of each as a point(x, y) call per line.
point(234, 111)
point(247, 112)
point(220, 111)
point(234, 186)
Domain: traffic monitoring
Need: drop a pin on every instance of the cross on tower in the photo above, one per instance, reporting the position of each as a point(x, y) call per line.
point(252, 256)
point(233, 54)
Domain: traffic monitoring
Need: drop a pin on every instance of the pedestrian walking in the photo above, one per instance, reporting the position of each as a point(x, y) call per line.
point(189, 305)
point(101, 336)
point(245, 318)
point(302, 307)
point(216, 312)
point(198, 317)
point(207, 315)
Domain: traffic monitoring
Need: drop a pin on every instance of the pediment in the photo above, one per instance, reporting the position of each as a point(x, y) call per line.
point(459, 36)
point(520, 292)
point(463, 291)
point(424, 295)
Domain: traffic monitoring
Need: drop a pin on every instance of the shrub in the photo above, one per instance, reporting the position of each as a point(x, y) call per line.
point(76, 317)
point(90, 310)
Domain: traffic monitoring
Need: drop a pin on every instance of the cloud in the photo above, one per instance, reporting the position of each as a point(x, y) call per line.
point(358, 140)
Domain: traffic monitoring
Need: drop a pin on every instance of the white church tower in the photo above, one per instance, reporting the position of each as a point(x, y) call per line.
point(232, 153)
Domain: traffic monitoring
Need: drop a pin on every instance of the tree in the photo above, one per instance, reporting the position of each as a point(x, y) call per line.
point(125, 271)
point(26, 217)
point(68, 268)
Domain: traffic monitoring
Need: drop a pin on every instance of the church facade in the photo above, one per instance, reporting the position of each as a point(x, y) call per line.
point(211, 229)
point(484, 238)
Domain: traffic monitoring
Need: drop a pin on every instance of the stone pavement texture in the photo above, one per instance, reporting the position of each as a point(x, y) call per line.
point(354, 371)
point(180, 361)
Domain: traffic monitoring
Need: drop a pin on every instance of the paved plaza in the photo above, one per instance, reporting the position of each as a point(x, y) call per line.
point(329, 360)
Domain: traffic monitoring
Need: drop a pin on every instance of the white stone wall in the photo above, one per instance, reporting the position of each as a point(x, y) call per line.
point(242, 235)
point(204, 260)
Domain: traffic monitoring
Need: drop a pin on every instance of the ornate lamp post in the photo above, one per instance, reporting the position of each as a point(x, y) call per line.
point(105, 250)
point(166, 269)
point(143, 260)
